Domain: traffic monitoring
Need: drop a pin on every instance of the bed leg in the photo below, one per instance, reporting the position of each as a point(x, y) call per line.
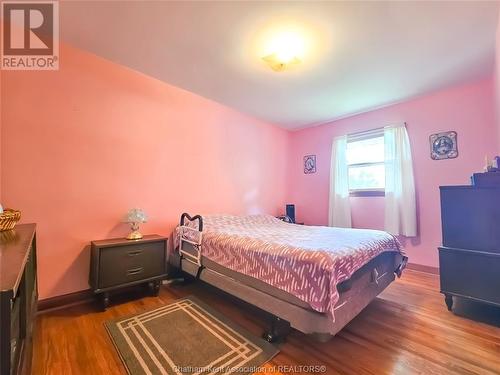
point(279, 329)
point(188, 279)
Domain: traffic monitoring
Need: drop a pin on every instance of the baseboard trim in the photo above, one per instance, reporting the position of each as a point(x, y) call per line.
point(66, 300)
point(422, 268)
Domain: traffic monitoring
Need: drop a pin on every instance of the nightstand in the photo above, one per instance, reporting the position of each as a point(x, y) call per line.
point(118, 263)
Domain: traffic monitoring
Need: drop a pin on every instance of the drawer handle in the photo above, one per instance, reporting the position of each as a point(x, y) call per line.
point(134, 253)
point(134, 271)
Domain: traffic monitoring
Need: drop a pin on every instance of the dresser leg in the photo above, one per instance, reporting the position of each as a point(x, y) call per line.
point(105, 301)
point(448, 299)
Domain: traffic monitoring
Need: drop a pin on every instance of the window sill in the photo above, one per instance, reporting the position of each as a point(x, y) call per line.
point(367, 193)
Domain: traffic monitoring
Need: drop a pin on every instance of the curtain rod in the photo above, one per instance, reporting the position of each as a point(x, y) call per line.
point(375, 130)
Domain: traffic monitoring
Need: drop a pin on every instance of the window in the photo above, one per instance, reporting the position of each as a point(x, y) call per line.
point(365, 163)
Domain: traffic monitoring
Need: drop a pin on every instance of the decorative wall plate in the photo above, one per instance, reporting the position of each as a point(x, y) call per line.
point(309, 164)
point(444, 145)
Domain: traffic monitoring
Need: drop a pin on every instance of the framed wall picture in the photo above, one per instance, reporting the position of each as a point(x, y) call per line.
point(309, 164)
point(444, 145)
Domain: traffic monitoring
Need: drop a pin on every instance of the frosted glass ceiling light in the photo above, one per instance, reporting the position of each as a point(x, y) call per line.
point(285, 48)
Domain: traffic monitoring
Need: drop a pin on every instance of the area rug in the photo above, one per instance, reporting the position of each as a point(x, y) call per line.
point(187, 337)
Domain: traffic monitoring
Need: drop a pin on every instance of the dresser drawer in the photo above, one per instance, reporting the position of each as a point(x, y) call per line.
point(470, 274)
point(470, 218)
point(129, 263)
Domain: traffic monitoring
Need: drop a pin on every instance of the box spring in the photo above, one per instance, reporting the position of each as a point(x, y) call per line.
point(355, 293)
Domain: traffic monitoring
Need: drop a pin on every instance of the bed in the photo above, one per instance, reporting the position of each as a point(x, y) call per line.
point(312, 278)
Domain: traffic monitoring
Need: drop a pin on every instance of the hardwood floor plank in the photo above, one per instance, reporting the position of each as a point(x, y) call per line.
point(407, 330)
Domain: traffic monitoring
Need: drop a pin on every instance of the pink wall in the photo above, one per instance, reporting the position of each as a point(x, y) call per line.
point(496, 75)
point(84, 144)
point(467, 109)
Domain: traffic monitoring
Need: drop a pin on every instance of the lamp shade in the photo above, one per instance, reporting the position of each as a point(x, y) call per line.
point(135, 215)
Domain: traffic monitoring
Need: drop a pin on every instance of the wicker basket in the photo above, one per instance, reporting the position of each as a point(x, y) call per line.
point(9, 219)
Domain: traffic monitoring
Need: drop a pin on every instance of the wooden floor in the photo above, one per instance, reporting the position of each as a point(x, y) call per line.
point(407, 330)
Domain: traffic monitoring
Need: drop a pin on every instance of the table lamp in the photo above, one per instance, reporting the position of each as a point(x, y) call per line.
point(134, 217)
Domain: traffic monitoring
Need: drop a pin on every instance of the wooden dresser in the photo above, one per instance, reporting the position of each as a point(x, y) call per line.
point(469, 259)
point(18, 298)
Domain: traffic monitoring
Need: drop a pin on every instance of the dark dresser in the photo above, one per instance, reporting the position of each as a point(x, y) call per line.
point(18, 298)
point(469, 259)
point(118, 263)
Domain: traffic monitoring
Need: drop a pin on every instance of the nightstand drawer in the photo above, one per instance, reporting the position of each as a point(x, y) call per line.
point(129, 263)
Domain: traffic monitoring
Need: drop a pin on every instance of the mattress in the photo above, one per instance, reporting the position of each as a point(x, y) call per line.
point(306, 262)
point(381, 265)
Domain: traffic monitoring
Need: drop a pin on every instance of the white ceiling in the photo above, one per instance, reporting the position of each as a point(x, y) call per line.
point(371, 54)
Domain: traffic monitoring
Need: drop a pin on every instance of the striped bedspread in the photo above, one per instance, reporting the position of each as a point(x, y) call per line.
point(305, 261)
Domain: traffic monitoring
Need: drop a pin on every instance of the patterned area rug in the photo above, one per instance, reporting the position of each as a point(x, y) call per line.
point(187, 337)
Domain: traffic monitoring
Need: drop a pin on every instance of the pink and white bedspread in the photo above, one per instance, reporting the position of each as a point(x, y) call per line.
point(305, 261)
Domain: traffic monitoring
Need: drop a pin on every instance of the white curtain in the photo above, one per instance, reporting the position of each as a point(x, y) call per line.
point(400, 206)
point(339, 211)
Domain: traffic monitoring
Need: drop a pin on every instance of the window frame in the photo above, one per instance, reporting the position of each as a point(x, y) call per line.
point(374, 192)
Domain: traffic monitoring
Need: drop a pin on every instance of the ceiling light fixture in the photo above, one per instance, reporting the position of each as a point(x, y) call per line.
point(284, 49)
point(278, 64)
